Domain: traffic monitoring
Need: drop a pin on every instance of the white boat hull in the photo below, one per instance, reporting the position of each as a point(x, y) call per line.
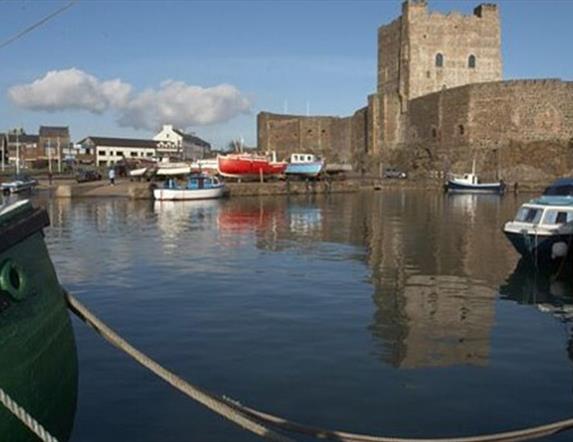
point(187, 194)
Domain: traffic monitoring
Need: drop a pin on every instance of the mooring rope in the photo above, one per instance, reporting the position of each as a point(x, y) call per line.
point(25, 418)
point(258, 422)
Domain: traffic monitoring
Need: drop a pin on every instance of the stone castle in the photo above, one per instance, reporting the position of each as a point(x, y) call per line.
point(441, 103)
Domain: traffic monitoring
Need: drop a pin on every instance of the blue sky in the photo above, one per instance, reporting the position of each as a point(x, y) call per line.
point(275, 54)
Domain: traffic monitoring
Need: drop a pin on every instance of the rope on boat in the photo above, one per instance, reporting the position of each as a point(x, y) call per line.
point(258, 422)
point(25, 418)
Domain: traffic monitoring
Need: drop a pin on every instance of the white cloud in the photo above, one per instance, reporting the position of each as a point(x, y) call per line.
point(175, 102)
point(70, 89)
point(183, 105)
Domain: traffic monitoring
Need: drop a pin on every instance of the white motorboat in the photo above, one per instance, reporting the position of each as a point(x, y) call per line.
point(194, 187)
point(542, 230)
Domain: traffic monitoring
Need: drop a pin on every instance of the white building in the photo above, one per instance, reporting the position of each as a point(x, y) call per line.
point(108, 151)
point(176, 143)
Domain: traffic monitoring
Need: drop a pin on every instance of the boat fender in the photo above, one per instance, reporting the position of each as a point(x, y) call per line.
point(559, 250)
point(13, 280)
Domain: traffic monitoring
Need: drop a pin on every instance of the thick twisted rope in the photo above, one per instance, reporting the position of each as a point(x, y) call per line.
point(257, 421)
point(25, 418)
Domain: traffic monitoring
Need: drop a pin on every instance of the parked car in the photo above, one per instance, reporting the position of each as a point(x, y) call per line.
point(84, 176)
point(391, 172)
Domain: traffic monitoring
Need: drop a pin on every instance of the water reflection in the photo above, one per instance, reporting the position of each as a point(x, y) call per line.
point(549, 293)
point(434, 284)
point(433, 290)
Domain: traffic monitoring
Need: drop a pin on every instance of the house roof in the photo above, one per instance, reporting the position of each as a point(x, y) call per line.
point(192, 138)
point(120, 142)
point(54, 131)
point(22, 138)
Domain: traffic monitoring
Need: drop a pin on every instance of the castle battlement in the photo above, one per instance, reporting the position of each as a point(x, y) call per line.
point(484, 9)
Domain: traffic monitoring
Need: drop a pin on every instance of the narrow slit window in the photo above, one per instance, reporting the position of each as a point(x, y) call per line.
point(439, 60)
point(472, 61)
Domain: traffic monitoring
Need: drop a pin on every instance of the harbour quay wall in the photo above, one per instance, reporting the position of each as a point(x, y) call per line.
point(143, 190)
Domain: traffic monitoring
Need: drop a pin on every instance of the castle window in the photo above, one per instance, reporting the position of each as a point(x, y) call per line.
point(472, 61)
point(439, 60)
point(434, 133)
point(428, 74)
point(461, 129)
point(309, 131)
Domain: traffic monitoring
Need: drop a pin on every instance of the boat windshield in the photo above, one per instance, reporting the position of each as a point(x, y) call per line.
point(557, 217)
point(529, 215)
point(563, 190)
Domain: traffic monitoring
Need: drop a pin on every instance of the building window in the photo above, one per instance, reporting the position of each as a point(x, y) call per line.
point(149, 154)
point(439, 60)
point(133, 154)
point(428, 74)
point(472, 61)
point(101, 153)
point(434, 133)
point(461, 129)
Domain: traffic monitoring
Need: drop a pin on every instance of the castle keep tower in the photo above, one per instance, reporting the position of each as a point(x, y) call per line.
point(423, 52)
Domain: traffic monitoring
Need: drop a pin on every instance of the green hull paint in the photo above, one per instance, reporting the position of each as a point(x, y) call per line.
point(38, 360)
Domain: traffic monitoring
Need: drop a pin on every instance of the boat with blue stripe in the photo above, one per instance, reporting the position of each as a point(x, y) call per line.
point(304, 165)
point(192, 187)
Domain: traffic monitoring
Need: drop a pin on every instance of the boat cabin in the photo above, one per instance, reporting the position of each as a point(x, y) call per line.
point(302, 158)
point(544, 215)
point(468, 178)
point(193, 182)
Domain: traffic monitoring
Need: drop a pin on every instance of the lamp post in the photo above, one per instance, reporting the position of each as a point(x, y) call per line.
point(50, 156)
point(59, 157)
point(4, 140)
point(17, 153)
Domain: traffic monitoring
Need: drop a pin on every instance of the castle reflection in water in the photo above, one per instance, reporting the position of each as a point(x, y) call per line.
point(436, 262)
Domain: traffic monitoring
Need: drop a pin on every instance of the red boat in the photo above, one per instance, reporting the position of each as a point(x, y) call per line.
point(249, 165)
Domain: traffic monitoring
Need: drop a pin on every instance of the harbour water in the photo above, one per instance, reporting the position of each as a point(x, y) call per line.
point(399, 313)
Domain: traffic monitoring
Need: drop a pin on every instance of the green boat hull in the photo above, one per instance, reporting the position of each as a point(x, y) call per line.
point(38, 359)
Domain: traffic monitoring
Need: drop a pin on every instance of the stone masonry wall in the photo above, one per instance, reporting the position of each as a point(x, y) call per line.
point(456, 37)
point(502, 124)
point(327, 137)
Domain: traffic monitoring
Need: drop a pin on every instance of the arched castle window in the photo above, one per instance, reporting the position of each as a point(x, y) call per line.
point(461, 129)
point(472, 61)
point(434, 133)
point(439, 60)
